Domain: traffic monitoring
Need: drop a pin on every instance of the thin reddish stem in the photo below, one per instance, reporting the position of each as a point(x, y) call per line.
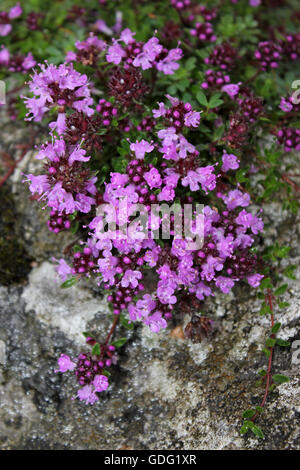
point(112, 330)
point(269, 375)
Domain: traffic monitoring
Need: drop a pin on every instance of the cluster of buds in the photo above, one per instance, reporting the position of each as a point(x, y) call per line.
point(58, 222)
point(289, 137)
point(203, 32)
point(236, 135)
point(268, 54)
point(127, 86)
point(180, 114)
point(180, 5)
point(291, 46)
point(90, 369)
point(82, 129)
point(34, 20)
point(215, 79)
point(250, 106)
point(223, 56)
point(87, 51)
point(83, 261)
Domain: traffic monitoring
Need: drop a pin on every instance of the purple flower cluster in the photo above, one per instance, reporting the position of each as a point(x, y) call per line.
point(180, 114)
point(148, 55)
point(119, 259)
point(268, 54)
point(203, 32)
point(89, 371)
point(60, 86)
point(289, 137)
point(67, 186)
point(17, 62)
point(158, 169)
point(215, 79)
point(224, 56)
point(7, 17)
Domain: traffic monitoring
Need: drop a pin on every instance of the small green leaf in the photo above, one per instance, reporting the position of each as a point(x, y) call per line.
point(270, 342)
point(267, 352)
point(289, 272)
point(96, 350)
point(282, 305)
point(266, 283)
point(244, 428)
point(276, 328)
point(257, 431)
point(248, 414)
point(281, 290)
point(265, 309)
point(69, 282)
point(280, 378)
point(86, 334)
point(215, 101)
point(262, 372)
point(282, 342)
point(124, 322)
point(202, 98)
point(118, 343)
point(106, 373)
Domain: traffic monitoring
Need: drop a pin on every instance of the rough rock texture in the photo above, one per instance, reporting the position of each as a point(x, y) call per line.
point(165, 393)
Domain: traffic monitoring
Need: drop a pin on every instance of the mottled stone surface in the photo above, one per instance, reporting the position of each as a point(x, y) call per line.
point(165, 393)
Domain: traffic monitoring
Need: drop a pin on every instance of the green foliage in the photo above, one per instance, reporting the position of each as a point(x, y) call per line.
point(118, 343)
point(69, 283)
point(96, 351)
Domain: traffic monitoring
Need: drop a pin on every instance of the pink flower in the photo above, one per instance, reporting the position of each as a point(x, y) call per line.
point(4, 55)
point(100, 383)
point(39, 184)
point(203, 176)
point(192, 119)
point(131, 278)
point(115, 53)
point(254, 279)
point(224, 283)
point(127, 36)
point(151, 50)
point(236, 198)
point(140, 148)
point(167, 194)
point(87, 394)
point(28, 62)
point(230, 162)
point(285, 105)
point(65, 363)
point(78, 155)
point(231, 89)
point(169, 64)
point(161, 111)
point(5, 29)
point(247, 220)
point(153, 178)
point(63, 269)
point(156, 322)
point(15, 12)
